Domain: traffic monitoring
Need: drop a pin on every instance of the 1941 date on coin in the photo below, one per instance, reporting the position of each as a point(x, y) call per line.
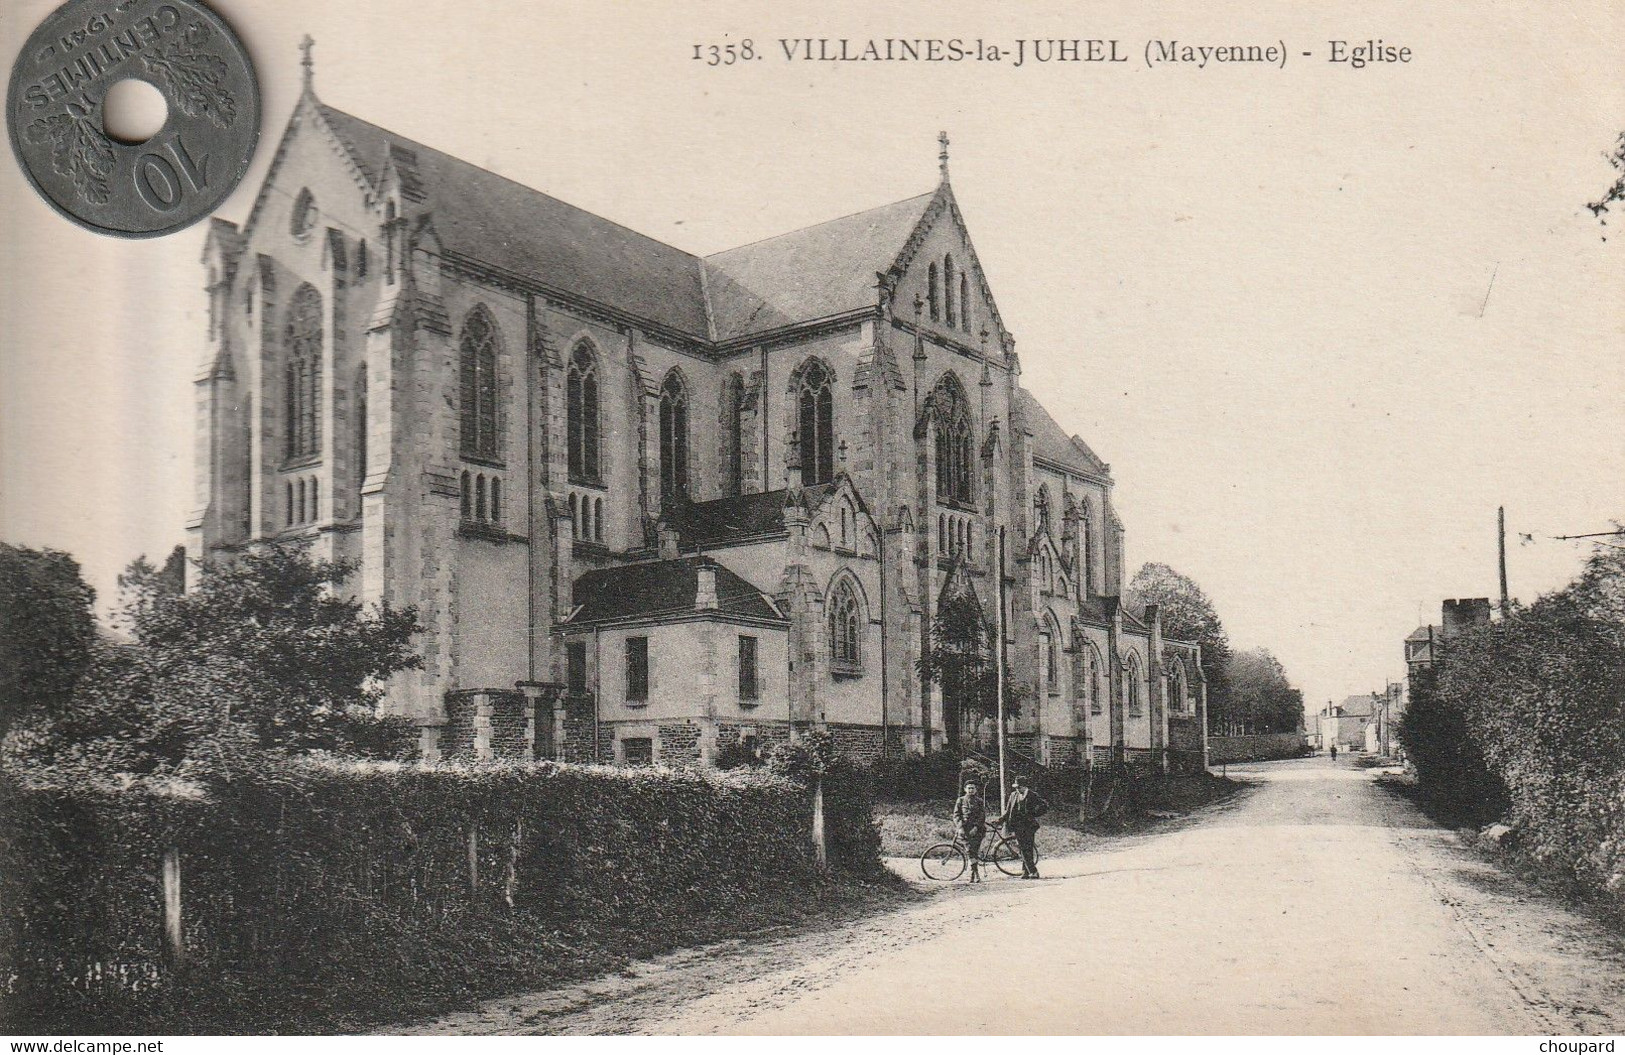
point(56, 116)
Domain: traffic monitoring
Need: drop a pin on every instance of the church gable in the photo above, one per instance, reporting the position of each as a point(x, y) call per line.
point(938, 265)
point(840, 520)
point(313, 182)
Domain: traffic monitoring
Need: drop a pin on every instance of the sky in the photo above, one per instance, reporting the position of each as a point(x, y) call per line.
point(1321, 320)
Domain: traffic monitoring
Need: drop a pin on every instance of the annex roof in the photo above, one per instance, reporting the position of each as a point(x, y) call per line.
point(729, 521)
point(653, 589)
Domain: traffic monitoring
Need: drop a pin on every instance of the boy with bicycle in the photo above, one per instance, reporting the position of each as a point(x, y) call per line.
point(971, 817)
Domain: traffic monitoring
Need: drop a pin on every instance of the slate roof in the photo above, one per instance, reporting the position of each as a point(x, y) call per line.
point(1422, 633)
point(814, 273)
point(496, 221)
point(1092, 610)
point(726, 521)
point(662, 588)
point(1051, 442)
point(1357, 706)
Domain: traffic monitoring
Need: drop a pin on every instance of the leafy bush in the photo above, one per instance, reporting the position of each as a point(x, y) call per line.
point(738, 756)
point(266, 654)
point(317, 893)
point(1528, 715)
point(47, 630)
point(914, 777)
point(1438, 733)
point(849, 801)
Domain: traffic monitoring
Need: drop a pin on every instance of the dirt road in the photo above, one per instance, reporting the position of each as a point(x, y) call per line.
point(1314, 902)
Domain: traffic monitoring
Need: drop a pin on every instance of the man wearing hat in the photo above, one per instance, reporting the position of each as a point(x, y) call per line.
point(1021, 813)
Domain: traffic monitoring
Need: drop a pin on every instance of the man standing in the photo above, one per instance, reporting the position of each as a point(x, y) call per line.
point(1021, 815)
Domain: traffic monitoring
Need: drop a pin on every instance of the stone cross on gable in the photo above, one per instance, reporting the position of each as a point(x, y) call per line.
point(942, 158)
point(309, 64)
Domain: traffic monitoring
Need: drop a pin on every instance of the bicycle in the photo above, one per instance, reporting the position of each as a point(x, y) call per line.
point(946, 862)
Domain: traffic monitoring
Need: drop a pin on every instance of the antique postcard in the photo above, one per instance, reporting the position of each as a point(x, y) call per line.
point(812, 519)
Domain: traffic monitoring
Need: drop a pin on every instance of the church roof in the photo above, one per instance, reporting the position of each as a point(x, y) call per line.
point(728, 521)
point(815, 273)
point(1051, 442)
point(654, 589)
point(498, 222)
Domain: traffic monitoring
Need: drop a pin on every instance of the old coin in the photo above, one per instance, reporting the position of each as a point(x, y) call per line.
point(55, 113)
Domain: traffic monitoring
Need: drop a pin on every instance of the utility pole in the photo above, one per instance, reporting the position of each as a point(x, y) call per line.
point(1501, 535)
point(998, 658)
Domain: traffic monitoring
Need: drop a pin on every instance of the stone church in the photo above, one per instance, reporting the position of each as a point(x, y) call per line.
point(648, 504)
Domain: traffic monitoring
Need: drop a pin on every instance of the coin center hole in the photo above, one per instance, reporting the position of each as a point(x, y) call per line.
point(134, 111)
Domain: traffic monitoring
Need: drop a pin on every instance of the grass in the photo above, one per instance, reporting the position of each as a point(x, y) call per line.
point(908, 829)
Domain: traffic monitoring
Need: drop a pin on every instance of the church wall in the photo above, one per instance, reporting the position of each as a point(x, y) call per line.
point(761, 564)
point(491, 607)
point(310, 162)
point(1137, 727)
point(1085, 718)
point(841, 352)
point(619, 424)
point(843, 698)
point(701, 379)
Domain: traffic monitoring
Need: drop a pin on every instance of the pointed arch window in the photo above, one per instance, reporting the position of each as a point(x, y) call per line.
point(673, 437)
point(1091, 658)
point(1131, 684)
point(1176, 688)
point(478, 351)
point(360, 426)
point(302, 381)
point(815, 430)
point(1086, 525)
point(845, 629)
point(948, 288)
point(953, 443)
point(964, 302)
point(733, 428)
point(1051, 638)
point(932, 293)
point(303, 218)
point(581, 414)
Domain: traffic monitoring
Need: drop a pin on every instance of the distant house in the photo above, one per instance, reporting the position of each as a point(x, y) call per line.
point(1344, 724)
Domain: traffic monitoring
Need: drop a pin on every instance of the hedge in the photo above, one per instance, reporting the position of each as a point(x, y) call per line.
point(1524, 719)
point(321, 893)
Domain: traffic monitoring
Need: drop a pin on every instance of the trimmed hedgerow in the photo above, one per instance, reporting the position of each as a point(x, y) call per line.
point(1525, 718)
point(323, 894)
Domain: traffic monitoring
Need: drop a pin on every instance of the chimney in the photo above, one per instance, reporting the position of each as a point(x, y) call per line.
point(705, 588)
point(669, 541)
point(1464, 614)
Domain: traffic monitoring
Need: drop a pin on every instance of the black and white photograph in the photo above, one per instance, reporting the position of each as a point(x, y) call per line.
point(668, 519)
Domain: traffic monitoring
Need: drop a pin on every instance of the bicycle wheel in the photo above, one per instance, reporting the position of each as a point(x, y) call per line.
point(1006, 855)
point(944, 862)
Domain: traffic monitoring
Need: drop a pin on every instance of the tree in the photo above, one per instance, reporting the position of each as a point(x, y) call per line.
point(47, 630)
point(265, 654)
point(1261, 698)
point(1616, 192)
point(1188, 615)
point(959, 658)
